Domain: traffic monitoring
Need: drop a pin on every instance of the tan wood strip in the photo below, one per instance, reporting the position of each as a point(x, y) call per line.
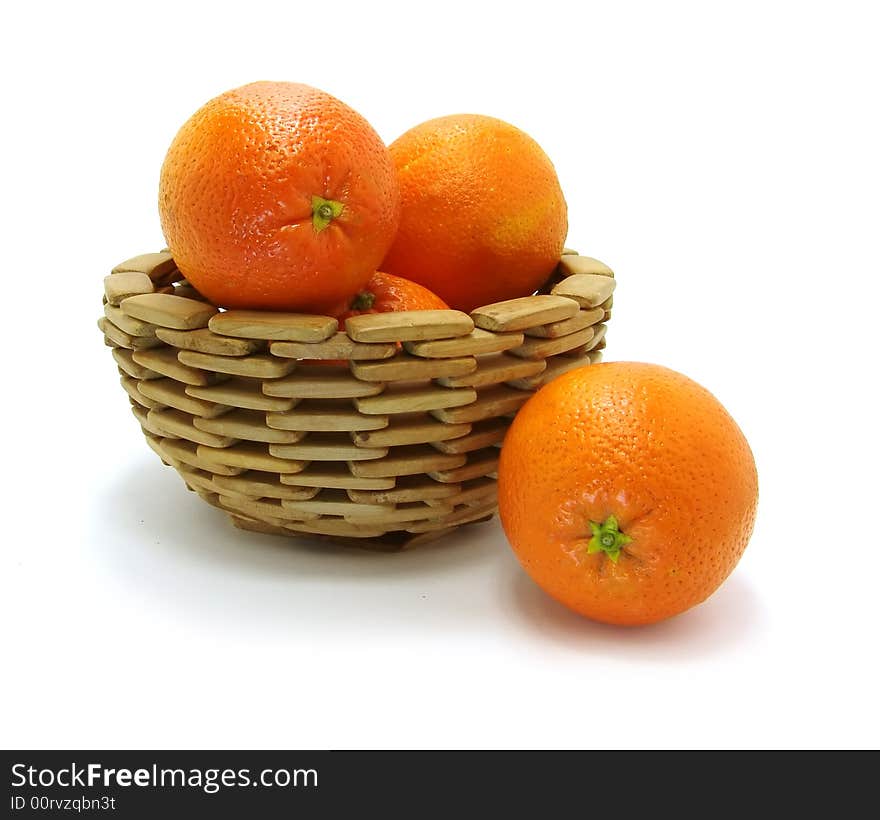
point(145, 342)
point(476, 343)
point(242, 522)
point(119, 286)
point(596, 343)
point(257, 365)
point(465, 515)
point(133, 327)
point(321, 382)
point(484, 434)
point(204, 340)
point(336, 527)
point(154, 443)
point(582, 319)
point(569, 252)
point(272, 508)
point(587, 289)
point(528, 311)
point(336, 502)
point(244, 393)
point(115, 336)
point(154, 265)
point(213, 499)
point(327, 447)
point(187, 453)
point(338, 346)
point(247, 425)
point(595, 356)
point(480, 463)
point(417, 430)
point(172, 393)
point(409, 460)
point(543, 348)
point(574, 265)
point(405, 366)
point(181, 425)
point(408, 325)
point(143, 416)
point(598, 338)
point(258, 324)
point(415, 399)
point(167, 310)
point(125, 361)
point(336, 476)
point(258, 484)
point(316, 415)
point(164, 360)
point(439, 502)
point(400, 514)
point(477, 491)
point(494, 401)
point(527, 383)
point(495, 370)
point(407, 489)
point(251, 455)
point(131, 386)
point(561, 364)
point(200, 479)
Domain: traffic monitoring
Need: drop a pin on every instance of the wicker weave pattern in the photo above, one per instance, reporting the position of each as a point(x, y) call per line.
point(397, 448)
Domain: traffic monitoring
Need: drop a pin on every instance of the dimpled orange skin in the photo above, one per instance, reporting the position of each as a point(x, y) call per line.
point(652, 448)
point(483, 217)
point(236, 198)
point(386, 293)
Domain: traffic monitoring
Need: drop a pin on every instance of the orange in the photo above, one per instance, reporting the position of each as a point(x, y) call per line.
point(483, 217)
point(627, 491)
point(385, 293)
point(278, 196)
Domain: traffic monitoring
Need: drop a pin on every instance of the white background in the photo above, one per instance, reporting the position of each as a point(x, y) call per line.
point(722, 158)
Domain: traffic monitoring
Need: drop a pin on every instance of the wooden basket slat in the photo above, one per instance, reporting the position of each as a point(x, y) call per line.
point(337, 347)
point(587, 289)
point(585, 317)
point(496, 369)
point(477, 343)
point(418, 429)
point(204, 340)
point(328, 415)
point(254, 365)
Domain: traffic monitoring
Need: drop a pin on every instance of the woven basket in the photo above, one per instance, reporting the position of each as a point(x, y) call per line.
point(399, 448)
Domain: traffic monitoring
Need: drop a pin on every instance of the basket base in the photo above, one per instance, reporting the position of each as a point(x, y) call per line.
point(390, 542)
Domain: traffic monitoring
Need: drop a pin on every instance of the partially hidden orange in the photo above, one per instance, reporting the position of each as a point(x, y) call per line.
point(483, 217)
point(386, 293)
point(278, 196)
point(627, 491)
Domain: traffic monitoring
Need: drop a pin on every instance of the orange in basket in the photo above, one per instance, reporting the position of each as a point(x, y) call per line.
point(278, 196)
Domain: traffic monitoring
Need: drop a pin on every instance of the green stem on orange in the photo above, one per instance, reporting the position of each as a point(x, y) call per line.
point(362, 301)
point(324, 211)
point(607, 538)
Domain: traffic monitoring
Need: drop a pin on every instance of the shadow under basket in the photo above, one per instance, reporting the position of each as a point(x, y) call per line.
point(384, 435)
